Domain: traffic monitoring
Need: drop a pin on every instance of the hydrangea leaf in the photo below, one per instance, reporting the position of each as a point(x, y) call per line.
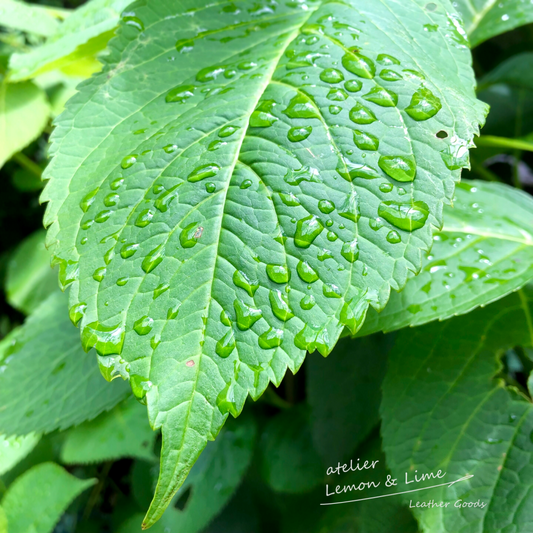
point(40, 20)
point(484, 252)
point(36, 500)
point(270, 172)
point(24, 112)
point(445, 409)
point(14, 449)
point(47, 382)
point(484, 19)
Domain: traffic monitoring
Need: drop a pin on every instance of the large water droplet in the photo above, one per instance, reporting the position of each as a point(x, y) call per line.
point(398, 167)
point(240, 279)
point(270, 339)
point(190, 235)
point(405, 216)
point(99, 274)
point(382, 97)
point(203, 172)
point(331, 75)
point(107, 340)
point(307, 230)
point(129, 161)
point(280, 305)
point(353, 86)
point(358, 64)
point(307, 302)
point(331, 291)
point(76, 312)
point(144, 325)
point(350, 251)
point(349, 171)
point(278, 273)
point(301, 106)
point(326, 206)
point(295, 177)
point(180, 94)
point(298, 134)
point(226, 345)
point(153, 258)
point(337, 95)
point(365, 141)
point(390, 75)
point(456, 156)
point(262, 117)
point(424, 104)
point(350, 208)
point(88, 199)
point(144, 218)
point(362, 115)
point(130, 19)
point(385, 59)
point(227, 131)
point(246, 315)
point(208, 74)
point(306, 272)
point(128, 250)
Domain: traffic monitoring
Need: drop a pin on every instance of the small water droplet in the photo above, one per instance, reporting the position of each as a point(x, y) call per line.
point(298, 134)
point(226, 345)
point(365, 141)
point(128, 250)
point(262, 117)
point(129, 161)
point(144, 325)
point(350, 251)
point(76, 312)
point(153, 259)
point(394, 237)
point(382, 97)
point(240, 279)
point(307, 302)
point(246, 184)
point(160, 289)
point(399, 167)
point(203, 172)
point(331, 291)
point(362, 115)
point(301, 106)
point(278, 273)
point(331, 75)
point(390, 75)
point(353, 86)
point(227, 131)
point(270, 339)
point(358, 64)
point(385, 59)
point(405, 216)
point(307, 230)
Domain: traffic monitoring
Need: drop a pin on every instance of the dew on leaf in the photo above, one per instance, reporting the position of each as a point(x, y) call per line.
point(295, 177)
point(227, 131)
point(129, 161)
point(399, 167)
point(170, 148)
point(386, 59)
point(240, 279)
point(107, 340)
point(208, 74)
point(289, 199)
point(353, 86)
point(331, 291)
point(405, 216)
point(160, 289)
point(224, 318)
point(131, 20)
point(301, 106)
point(307, 302)
point(337, 95)
point(226, 345)
point(358, 64)
point(326, 206)
point(365, 141)
point(390, 75)
point(111, 200)
point(88, 199)
point(246, 315)
point(393, 237)
point(298, 134)
point(246, 184)
point(306, 272)
point(335, 109)
point(190, 234)
point(184, 46)
point(280, 305)
point(262, 117)
point(144, 325)
point(122, 281)
point(153, 259)
point(210, 187)
point(128, 250)
point(77, 312)
point(278, 273)
point(360, 114)
point(172, 312)
point(382, 97)
point(350, 251)
point(144, 218)
point(117, 183)
point(349, 171)
point(103, 216)
point(324, 254)
point(203, 172)
point(307, 230)
point(424, 104)
point(331, 75)
point(270, 339)
point(99, 273)
point(350, 209)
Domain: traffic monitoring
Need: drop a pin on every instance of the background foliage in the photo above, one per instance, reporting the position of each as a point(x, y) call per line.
point(77, 453)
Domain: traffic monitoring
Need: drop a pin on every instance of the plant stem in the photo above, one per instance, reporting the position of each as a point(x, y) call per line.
point(504, 142)
point(25, 162)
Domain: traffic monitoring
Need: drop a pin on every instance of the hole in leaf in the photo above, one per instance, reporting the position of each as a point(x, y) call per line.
point(442, 134)
point(181, 502)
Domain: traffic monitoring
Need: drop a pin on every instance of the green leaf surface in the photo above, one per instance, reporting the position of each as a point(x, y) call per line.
point(484, 19)
point(444, 409)
point(211, 483)
point(3, 521)
point(344, 393)
point(484, 252)
point(47, 382)
point(29, 278)
point(234, 209)
point(24, 112)
point(31, 18)
point(85, 32)
point(289, 461)
point(36, 500)
point(14, 449)
point(122, 432)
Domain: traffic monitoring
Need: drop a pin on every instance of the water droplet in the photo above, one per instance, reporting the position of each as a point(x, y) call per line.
point(262, 117)
point(190, 234)
point(99, 274)
point(306, 272)
point(350, 251)
point(301, 106)
point(307, 230)
point(227, 131)
point(298, 134)
point(424, 104)
point(349, 171)
point(122, 281)
point(107, 340)
point(128, 250)
point(289, 199)
point(455, 156)
point(405, 216)
point(326, 206)
point(240, 279)
point(307, 302)
point(203, 172)
point(144, 325)
point(210, 187)
point(280, 305)
point(160, 289)
point(386, 187)
point(358, 64)
point(365, 141)
point(270, 339)
point(246, 315)
point(129, 161)
point(111, 200)
point(215, 145)
point(224, 318)
point(144, 218)
point(278, 273)
point(295, 177)
point(76, 312)
point(153, 259)
point(335, 109)
point(226, 345)
point(88, 199)
point(331, 75)
point(350, 209)
point(116, 184)
point(353, 86)
point(382, 97)
point(337, 95)
point(208, 74)
point(394, 237)
point(390, 75)
point(385, 59)
point(362, 115)
point(130, 19)
point(331, 291)
point(398, 167)
point(173, 312)
point(102, 216)
point(324, 254)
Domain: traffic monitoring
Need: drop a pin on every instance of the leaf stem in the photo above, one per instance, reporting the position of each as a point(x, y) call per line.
point(25, 162)
point(504, 142)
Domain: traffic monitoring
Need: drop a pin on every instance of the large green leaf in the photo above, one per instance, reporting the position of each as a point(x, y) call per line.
point(484, 19)
point(29, 278)
point(442, 409)
point(46, 381)
point(36, 500)
point(122, 432)
point(85, 32)
point(14, 449)
point(232, 209)
point(24, 113)
point(344, 392)
point(484, 251)
point(41, 20)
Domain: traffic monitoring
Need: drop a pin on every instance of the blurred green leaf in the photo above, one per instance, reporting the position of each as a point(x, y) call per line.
point(84, 33)
point(486, 18)
point(3, 521)
point(47, 382)
point(484, 251)
point(36, 500)
point(445, 408)
point(289, 461)
point(41, 20)
point(122, 432)
point(344, 393)
point(514, 71)
point(24, 112)
point(13, 449)
point(29, 277)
